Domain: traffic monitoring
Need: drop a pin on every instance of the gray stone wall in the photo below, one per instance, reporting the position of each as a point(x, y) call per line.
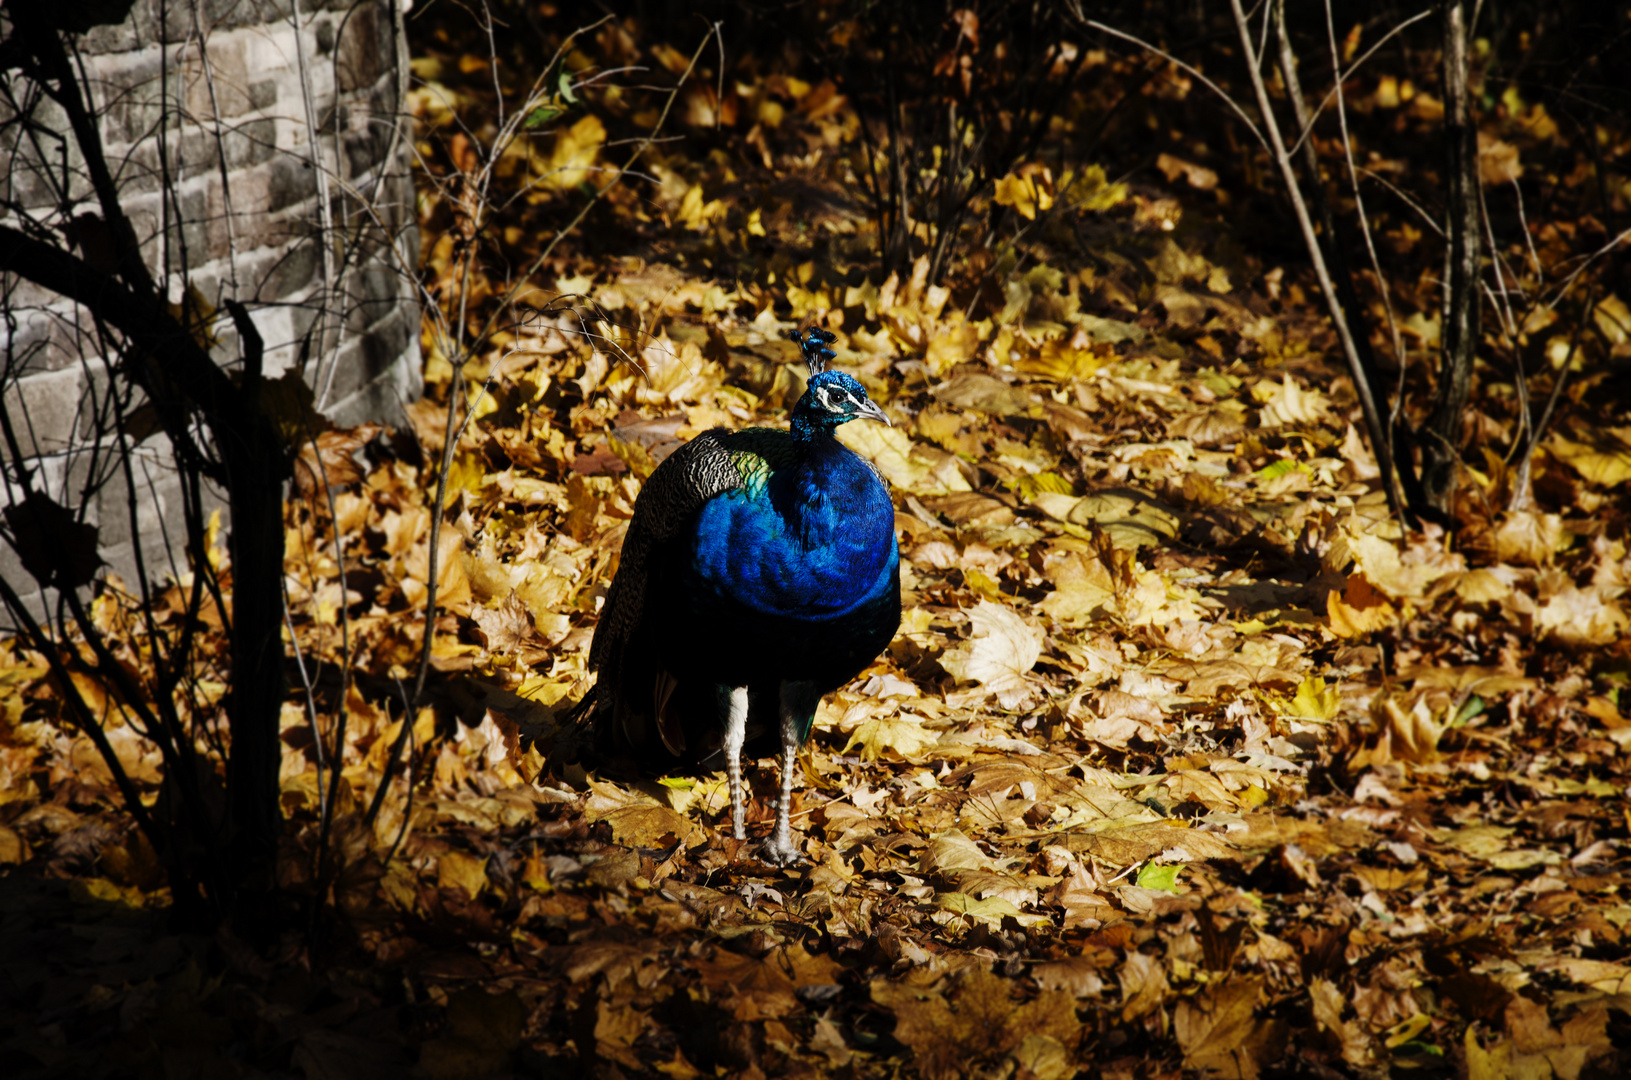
point(261, 153)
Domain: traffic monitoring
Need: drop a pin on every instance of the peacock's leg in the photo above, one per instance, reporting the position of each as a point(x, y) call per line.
point(736, 730)
point(797, 711)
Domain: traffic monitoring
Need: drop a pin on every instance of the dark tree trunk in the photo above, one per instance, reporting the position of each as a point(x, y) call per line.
point(1441, 450)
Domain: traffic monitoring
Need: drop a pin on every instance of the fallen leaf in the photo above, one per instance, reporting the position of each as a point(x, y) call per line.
point(1219, 1031)
point(1002, 649)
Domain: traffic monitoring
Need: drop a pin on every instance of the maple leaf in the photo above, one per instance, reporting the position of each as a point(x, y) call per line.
point(1220, 1033)
point(1002, 649)
point(1027, 191)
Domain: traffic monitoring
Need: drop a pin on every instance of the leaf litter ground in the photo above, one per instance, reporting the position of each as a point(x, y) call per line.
point(1186, 760)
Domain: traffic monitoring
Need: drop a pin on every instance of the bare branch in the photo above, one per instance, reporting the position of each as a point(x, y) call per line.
point(1380, 443)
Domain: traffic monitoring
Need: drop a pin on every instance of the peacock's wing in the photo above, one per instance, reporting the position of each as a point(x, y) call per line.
point(711, 464)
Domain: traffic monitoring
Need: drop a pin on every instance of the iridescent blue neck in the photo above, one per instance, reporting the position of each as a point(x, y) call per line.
point(808, 421)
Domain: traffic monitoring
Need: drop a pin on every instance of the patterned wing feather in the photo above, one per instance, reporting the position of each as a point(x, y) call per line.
point(686, 479)
point(711, 464)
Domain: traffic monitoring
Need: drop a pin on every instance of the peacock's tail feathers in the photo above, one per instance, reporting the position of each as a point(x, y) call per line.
point(669, 721)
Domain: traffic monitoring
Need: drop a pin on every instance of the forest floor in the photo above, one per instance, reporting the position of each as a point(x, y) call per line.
point(1187, 759)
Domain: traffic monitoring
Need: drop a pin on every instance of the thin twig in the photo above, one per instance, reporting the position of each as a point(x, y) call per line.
point(1190, 70)
point(1353, 178)
point(1367, 399)
point(1522, 496)
point(325, 208)
point(1345, 75)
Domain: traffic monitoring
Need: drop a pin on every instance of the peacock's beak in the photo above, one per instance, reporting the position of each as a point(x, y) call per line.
point(870, 410)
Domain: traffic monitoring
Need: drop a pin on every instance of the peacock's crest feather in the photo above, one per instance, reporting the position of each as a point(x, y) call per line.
point(813, 342)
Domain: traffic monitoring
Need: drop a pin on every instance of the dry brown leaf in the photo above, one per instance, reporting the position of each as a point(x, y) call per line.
point(507, 628)
point(1197, 176)
point(1144, 986)
point(1002, 649)
point(974, 1020)
point(1084, 587)
point(1407, 574)
point(1498, 163)
point(1290, 405)
point(1328, 1003)
point(904, 735)
point(1220, 1033)
point(328, 462)
point(1529, 538)
point(1582, 617)
point(637, 820)
point(951, 851)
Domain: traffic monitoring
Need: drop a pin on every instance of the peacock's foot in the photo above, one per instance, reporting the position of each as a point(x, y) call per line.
point(780, 851)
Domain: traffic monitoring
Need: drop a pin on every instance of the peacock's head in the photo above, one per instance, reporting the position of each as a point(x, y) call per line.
point(831, 398)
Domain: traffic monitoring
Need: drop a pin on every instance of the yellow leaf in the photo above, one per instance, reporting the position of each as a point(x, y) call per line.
point(438, 368)
point(906, 737)
point(951, 344)
point(1603, 456)
point(1399, 1034)
point(574, 153)
point(1061, 361)
point(922, 470)
point(693, 212)
point(464, 474)
point(458, 870)
point(1027, 193)
point(1315, 702)
point(632, 454)
point(197, 315)
point(1093, 190)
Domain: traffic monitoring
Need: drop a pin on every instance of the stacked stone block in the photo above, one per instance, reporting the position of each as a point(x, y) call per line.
point(261, 154)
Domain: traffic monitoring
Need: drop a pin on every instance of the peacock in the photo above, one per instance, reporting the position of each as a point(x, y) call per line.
point(760, 572)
